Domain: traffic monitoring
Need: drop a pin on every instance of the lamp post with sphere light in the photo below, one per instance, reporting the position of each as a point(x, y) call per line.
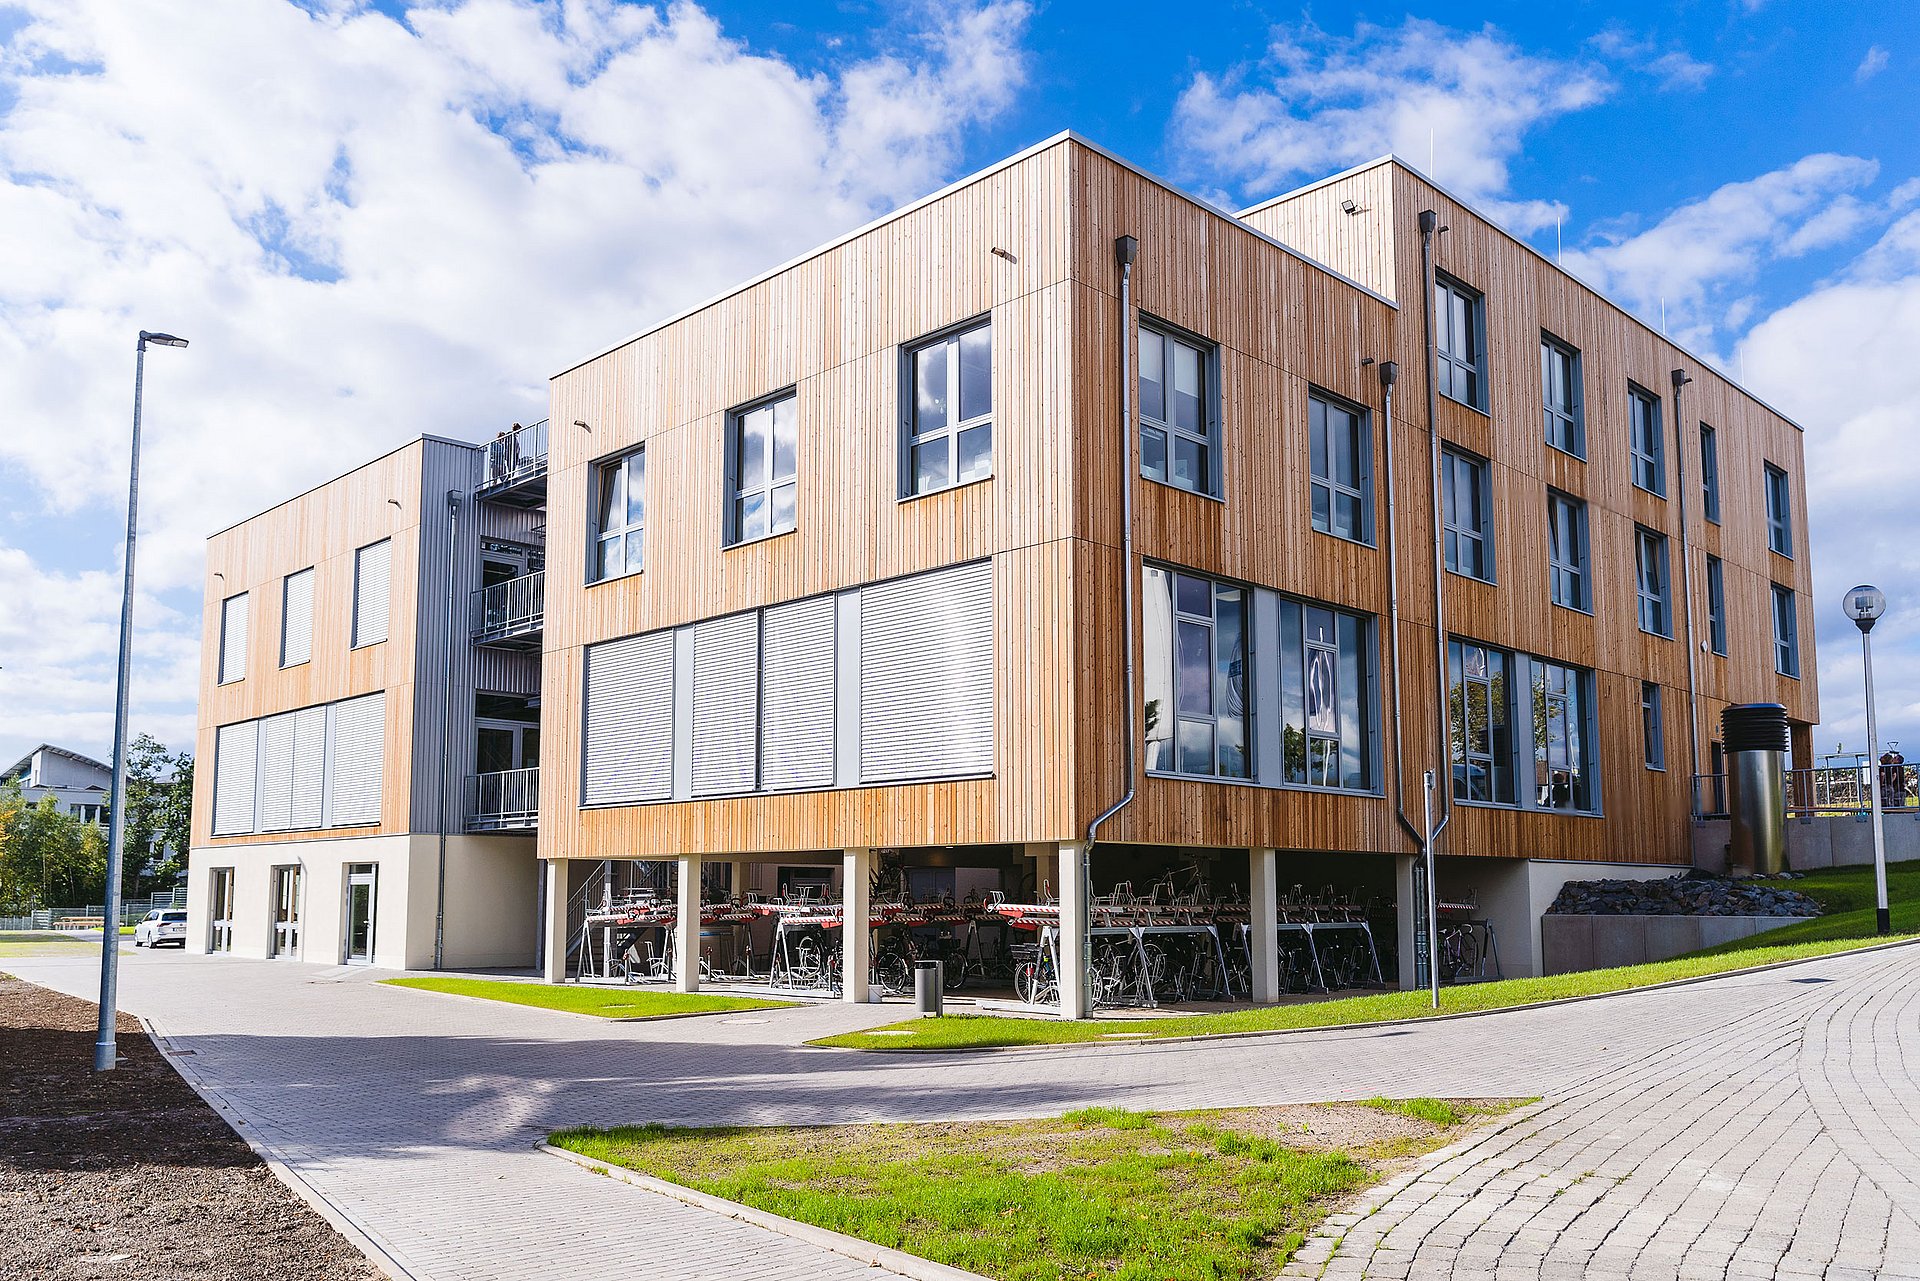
point(1864, 605)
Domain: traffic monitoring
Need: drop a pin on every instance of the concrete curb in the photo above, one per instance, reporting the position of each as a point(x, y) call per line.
point(877, 1256)
point(360, 1237)
point(1053, 1047)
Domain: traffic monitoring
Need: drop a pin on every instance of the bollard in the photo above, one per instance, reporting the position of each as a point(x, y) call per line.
point(929, 994)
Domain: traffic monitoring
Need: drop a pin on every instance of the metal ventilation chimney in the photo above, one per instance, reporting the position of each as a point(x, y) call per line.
point(1755, 735)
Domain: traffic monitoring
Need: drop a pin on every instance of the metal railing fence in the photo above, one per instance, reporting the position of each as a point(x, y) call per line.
point(1827, 790)
point(511, 608)
point(503, 800)
point(517, 455)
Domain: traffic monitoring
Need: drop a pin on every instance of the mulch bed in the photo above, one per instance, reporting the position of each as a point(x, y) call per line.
point(130, 1173)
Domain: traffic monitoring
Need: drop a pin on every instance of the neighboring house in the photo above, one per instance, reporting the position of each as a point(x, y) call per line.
point(79, 784)
point(843, 561)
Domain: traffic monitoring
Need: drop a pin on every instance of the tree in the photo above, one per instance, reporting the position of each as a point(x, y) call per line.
point(159, 809)
point(47, 857)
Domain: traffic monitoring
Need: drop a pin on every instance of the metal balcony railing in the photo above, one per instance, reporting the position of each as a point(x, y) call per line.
point(1830, 790)
point(504, 801)
point(516, 457)
point(514, 609)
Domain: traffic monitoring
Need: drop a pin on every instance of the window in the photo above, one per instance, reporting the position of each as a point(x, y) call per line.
point(307, 769)
point(1560, 393)
point(1710, 473)
point(1652, 736)
point(1651, 582)
point(296, 618)
point(1460, 337)
point(1340, 450)
point(948, 418)
point(1649, 455)
point(1779, 512)
point(233, 638)
point(1480, 705)
point(372, 572)
point(1563, 773)
point(620, 516)
point(762, 465)
point(1567, 550)
point(1469, 515)
point(1716, 606)
point(1177, 439)
point(1199, 705)
point(1326, 713)
point(1786, 632)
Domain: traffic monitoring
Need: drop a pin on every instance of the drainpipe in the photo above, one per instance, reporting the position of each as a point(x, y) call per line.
point(446, 734)
point(1429, 228)
point(1389, 374)
point(1680, 380)
point(1125, 250)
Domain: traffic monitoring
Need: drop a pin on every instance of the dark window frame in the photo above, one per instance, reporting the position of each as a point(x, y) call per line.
point(1457, 534)
point(1363, 443)
point(1209, 437)
point(1580, 574)
point(1470, 367)
point(1653, 581)
point(907, 437)
point(1652, 459)
point(737, 491)
point(1572, 419)
point(599, 476)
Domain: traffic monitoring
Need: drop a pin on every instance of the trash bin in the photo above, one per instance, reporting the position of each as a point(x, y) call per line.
point(928, 992)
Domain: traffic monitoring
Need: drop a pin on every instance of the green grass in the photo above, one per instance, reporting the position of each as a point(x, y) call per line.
point(1848, 895)
point(970, 1032)
point(1101, 1192)
point(606, 1002)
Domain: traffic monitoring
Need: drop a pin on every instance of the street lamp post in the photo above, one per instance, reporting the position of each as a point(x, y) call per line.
point(1864, 605)
point(105, 1053)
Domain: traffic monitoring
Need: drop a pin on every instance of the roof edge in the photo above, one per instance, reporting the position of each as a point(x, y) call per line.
point(424, 438)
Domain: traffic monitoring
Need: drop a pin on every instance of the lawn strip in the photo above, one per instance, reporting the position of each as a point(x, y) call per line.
point(615, 1003)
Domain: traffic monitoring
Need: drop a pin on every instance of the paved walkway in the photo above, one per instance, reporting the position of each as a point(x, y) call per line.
point(1754, 1126)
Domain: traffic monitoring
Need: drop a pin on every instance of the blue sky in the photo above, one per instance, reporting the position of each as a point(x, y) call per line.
point(377, 220)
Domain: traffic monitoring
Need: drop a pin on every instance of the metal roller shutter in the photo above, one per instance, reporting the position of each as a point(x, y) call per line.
point(235, 747)
point(926, 676)
point(628, 747)
point(233, 638)
point(309, 767)
point(372, 574)
point(276, 773)
point(296, 619)
point(797, 694)
point(359, 750)
point(726, 705)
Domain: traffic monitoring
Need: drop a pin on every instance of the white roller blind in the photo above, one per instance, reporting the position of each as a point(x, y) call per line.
point(233, 774)
point(276, 773)
point(233, 638)
point(628, 745)
point(926, 676)
point(309, 768)
point(726, 705)
point(797, 695)
point(372, 572)
point(359, 742)
point(296, 619)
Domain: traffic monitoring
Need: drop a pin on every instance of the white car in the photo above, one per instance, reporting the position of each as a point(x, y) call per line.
point(161, 926)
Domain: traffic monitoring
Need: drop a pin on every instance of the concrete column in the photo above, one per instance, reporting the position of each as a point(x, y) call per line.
point(1408, 908)
point(1263, 941)
point(737, 879)
point(856, 938)
point(686, 927)
point(1072, 887)
point(553, 945)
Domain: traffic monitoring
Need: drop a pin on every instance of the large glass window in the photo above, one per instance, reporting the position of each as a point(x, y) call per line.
point(1460, 337)
point(1326, 722)
point(1177, 439)
point(1716, 605)
point(1649, 451)
point(1779, 512)
point(1786, 632)
point(1340, 452)
point(1560, 393)
point(762, 467)
point(1710, 473)
point(1567, 550)
point(1563, 771)
point(1653, 582)
point(1468, 507)
point(620, 516)
point(948, 423)
point(1199, 707)
point(1480, 704)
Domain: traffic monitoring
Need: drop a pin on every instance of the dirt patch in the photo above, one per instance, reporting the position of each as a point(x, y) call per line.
point(130, 1173)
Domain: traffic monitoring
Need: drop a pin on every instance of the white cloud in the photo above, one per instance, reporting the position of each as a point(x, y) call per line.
point(1677, 69)
point(371, 228)
point(1674, 69)
point(1317, 103)
point(1871, 65)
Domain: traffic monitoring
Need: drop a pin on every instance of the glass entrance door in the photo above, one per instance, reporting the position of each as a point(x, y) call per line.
point(360, 907)
point(220, 911)
point(286, 911)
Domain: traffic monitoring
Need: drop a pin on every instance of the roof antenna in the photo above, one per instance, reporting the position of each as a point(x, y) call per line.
point(1663, 317)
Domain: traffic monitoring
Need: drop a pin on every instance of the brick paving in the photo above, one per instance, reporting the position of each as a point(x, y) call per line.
point(1760, 1126)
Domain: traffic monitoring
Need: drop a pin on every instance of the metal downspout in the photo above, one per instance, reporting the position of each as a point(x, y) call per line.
point(1389, 374)
point(1680, 380)
point(1429, 227)
point(446, 735)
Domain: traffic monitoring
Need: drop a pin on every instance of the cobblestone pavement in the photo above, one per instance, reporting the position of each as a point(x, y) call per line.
point(1756, 1126)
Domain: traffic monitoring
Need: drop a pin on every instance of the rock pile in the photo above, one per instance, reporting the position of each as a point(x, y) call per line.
point(1688, 894)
